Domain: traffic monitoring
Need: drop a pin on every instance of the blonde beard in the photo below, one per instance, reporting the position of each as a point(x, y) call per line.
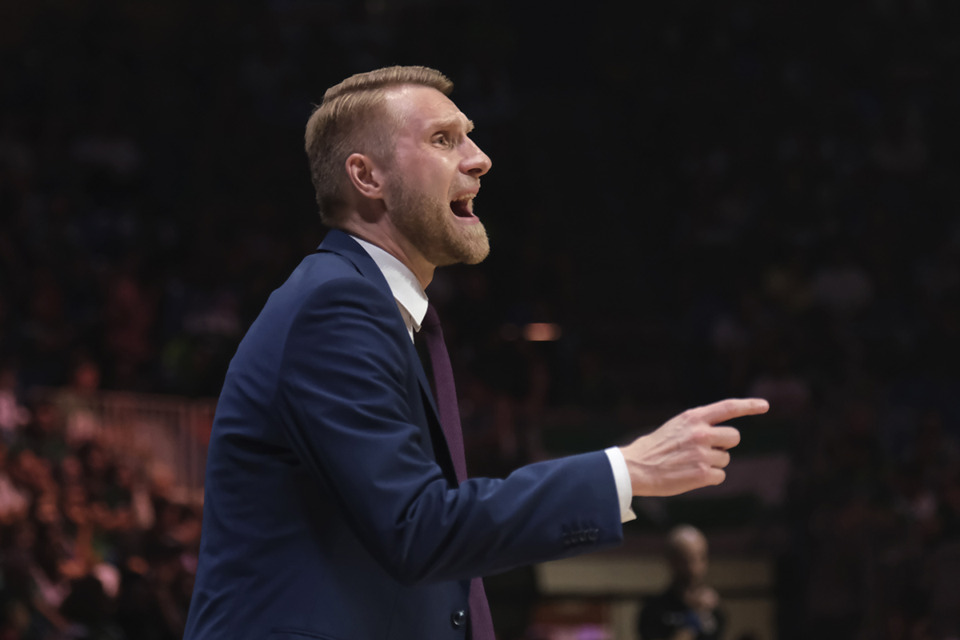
point(426, 223)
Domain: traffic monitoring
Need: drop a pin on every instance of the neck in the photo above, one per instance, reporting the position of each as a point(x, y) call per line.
point(387, 237)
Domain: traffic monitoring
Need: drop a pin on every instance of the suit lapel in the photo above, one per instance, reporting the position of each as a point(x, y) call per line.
point(342, 244)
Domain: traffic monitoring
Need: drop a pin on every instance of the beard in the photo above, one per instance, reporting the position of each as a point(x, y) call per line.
point(430, 226)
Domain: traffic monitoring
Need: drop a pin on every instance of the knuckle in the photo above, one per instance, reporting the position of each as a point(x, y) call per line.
point(700, 436)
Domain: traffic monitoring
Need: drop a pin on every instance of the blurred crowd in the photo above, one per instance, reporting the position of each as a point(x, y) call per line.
point(737, 198)
point(95, 541)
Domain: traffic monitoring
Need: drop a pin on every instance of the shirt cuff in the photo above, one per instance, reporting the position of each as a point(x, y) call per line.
point(622, 477)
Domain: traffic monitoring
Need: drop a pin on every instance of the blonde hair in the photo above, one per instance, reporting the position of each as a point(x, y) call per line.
point(351, 119)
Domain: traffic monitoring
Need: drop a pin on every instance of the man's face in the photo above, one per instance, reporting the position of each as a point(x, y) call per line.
point(433, 177)
point(690, 559)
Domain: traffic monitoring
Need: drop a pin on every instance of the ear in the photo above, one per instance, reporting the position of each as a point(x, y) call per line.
point(365, 176)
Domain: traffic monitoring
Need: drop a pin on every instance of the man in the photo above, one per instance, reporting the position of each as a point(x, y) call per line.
point(689, 608)
point(337, 504)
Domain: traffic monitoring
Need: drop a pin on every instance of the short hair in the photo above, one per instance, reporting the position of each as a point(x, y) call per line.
point(679, 537)
point(350, 119)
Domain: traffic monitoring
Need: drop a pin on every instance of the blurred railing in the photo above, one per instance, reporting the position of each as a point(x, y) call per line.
point(170, 433)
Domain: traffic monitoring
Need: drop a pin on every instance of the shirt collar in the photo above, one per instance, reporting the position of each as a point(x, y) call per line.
point(404, 286)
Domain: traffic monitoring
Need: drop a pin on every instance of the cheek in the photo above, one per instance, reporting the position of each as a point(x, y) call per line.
point(436, 173)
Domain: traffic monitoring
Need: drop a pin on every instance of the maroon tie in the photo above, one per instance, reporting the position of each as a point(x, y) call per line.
point(445, 393)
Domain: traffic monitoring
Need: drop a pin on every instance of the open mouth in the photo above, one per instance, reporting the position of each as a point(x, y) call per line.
point(463, 207)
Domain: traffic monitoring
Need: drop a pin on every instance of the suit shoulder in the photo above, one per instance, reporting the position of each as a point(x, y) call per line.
point(322, 291)
point(324, 274)
point(319, 268)
point(323, 279)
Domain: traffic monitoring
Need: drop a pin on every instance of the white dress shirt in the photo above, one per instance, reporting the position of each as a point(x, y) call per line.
point(412, 302)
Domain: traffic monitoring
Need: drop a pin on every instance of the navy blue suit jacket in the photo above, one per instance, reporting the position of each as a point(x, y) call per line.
point(331, 510)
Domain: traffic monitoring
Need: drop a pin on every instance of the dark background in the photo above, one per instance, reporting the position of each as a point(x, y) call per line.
point(709, 199)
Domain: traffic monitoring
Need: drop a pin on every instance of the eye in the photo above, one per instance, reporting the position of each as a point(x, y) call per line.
point(442, 139)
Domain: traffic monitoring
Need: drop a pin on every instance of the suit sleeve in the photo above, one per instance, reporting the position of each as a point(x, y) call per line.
point(344, 403)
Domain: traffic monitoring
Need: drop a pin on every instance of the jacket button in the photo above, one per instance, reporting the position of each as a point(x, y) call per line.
point(458, 619)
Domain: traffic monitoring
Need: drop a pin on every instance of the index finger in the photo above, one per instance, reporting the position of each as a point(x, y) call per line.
point(732, 408)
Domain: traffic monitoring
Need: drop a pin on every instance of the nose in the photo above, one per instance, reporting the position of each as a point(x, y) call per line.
point(475, 162)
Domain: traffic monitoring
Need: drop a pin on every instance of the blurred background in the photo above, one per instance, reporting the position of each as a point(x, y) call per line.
point(689, 201)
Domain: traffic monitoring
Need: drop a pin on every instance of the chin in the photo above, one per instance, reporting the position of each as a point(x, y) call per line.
point(476, 249)
point(463, 246)
point(478, 257)
point(475, 256)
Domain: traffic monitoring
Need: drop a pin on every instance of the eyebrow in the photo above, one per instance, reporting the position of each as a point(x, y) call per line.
point(447, 123)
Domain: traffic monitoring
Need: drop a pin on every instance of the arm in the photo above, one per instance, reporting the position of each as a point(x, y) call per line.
point(347, 409)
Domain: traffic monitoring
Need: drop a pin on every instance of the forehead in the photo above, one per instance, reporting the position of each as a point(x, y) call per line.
point(417, 107)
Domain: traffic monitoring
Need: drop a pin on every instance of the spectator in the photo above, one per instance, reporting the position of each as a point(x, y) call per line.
point(689, 609)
